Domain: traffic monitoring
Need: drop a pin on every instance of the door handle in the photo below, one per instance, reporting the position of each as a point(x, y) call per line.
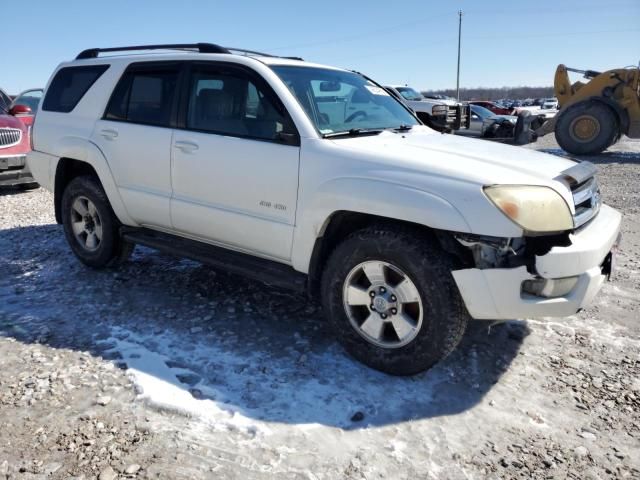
point(109, 134)
point(186, 147)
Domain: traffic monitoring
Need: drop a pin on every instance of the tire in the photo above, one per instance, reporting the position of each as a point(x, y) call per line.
point(85, 194)
point(587, 128)
point(615, 139)
point(401, 252)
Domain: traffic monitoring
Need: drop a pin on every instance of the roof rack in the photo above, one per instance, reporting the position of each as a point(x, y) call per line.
point(262, 54)
point(250, 52)
point(201, 47)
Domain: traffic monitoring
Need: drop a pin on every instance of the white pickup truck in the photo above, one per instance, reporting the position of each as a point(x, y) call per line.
point(439, 114)
point(315, 178)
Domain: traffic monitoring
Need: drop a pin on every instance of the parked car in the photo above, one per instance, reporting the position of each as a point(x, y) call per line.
point(440, 114)
point(14, 146)
point(549, 104)
point(493, 107)
point(331, 186)
point(486, 124)
point(29, 99)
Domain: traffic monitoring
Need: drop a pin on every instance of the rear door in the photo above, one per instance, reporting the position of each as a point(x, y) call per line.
point(135, 136)
point(235, 162)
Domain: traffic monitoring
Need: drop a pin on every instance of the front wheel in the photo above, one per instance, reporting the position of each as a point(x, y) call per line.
point(392, 301)
point(91, 227)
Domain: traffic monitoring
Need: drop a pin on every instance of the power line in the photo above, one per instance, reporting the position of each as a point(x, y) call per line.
point(452, 40)
point(421, 22)
point(365, 34)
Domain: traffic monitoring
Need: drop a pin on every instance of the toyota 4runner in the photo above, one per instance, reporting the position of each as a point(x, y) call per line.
point(316, 178)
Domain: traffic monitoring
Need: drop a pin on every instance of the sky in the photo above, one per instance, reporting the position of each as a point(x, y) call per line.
point(508, 43)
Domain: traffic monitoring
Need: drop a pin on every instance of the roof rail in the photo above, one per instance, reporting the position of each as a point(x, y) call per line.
point(201, 47)
point(251, 52)
point(262, 54)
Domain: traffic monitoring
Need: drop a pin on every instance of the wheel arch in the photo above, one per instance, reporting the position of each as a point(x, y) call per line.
point(66, 170)
point(342, 223)
point(84, 158)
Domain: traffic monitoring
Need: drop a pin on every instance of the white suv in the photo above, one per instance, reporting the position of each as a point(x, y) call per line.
point(314, 177)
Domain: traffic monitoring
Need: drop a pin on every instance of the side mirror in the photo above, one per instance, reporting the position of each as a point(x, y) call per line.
point(474, 116)
point(19, 110)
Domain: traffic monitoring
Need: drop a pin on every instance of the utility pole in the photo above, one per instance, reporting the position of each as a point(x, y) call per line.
point(459, 39)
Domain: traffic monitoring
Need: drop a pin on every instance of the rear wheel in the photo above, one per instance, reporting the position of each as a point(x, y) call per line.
point(392, 301)
point(91, 227)
point(587, 128)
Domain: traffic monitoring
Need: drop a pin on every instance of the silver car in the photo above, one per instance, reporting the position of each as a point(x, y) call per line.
point(485, 123)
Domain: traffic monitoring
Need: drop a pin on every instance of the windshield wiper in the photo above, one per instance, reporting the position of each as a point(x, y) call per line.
point(403, 127)
point(354, 132)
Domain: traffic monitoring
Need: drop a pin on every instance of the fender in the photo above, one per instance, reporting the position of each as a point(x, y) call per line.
point(375, 197)
point(82, 150)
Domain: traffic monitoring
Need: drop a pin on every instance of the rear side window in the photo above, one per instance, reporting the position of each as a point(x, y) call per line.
point(144, 96)
point(69, 86)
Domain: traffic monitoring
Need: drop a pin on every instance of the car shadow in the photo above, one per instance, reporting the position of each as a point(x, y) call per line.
point(12, 190)
point(228, 342)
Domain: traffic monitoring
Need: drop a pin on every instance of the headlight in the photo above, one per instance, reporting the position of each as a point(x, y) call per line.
point(439, 110)
point(535, 209)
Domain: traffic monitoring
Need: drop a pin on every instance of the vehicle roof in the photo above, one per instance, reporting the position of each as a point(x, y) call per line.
point(188, 55)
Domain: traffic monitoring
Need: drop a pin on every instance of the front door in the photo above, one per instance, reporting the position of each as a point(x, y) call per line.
point(235, 163)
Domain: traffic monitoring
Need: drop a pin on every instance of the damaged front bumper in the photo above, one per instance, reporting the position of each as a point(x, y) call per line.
point(577, 272)
point(14, 170)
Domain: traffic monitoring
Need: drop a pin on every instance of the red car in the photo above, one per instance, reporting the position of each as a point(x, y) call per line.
point(14, 145)
point(492, 106)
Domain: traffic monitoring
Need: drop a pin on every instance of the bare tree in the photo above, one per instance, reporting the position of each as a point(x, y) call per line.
point(486, 93)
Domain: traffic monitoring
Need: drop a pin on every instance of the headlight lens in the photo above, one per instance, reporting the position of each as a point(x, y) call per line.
point(536, 209)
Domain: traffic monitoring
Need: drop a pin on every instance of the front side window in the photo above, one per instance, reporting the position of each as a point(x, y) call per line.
point(337, 101)
point(144, 96)
point(69, 86)
point(228, 102)
point(481, 111)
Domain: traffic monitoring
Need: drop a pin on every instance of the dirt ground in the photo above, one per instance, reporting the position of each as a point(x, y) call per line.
point(165, 368)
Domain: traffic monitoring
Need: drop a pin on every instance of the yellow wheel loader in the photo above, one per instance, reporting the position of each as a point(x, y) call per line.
point(593, 115)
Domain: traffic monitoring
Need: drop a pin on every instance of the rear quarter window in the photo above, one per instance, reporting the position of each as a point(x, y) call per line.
point(69, 86)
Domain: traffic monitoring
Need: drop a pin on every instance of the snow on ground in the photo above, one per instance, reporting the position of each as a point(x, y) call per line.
point(222, 377)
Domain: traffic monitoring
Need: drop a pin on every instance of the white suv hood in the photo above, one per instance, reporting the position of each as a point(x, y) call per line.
point(477, 161)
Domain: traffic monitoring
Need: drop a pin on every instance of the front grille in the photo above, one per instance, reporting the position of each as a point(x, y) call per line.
point(10, 137)
point(452, 116)
point(586, 198)
point(585, 190)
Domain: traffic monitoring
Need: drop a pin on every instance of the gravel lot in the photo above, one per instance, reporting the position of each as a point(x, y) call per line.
point(168, 369)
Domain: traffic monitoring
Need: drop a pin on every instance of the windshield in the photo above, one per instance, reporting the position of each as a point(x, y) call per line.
point(409, 93)
point(30, 98)
point(338, 101)
point(481, 111)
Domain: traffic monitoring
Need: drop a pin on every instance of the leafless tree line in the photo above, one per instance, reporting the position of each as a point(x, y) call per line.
point(485, 93)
